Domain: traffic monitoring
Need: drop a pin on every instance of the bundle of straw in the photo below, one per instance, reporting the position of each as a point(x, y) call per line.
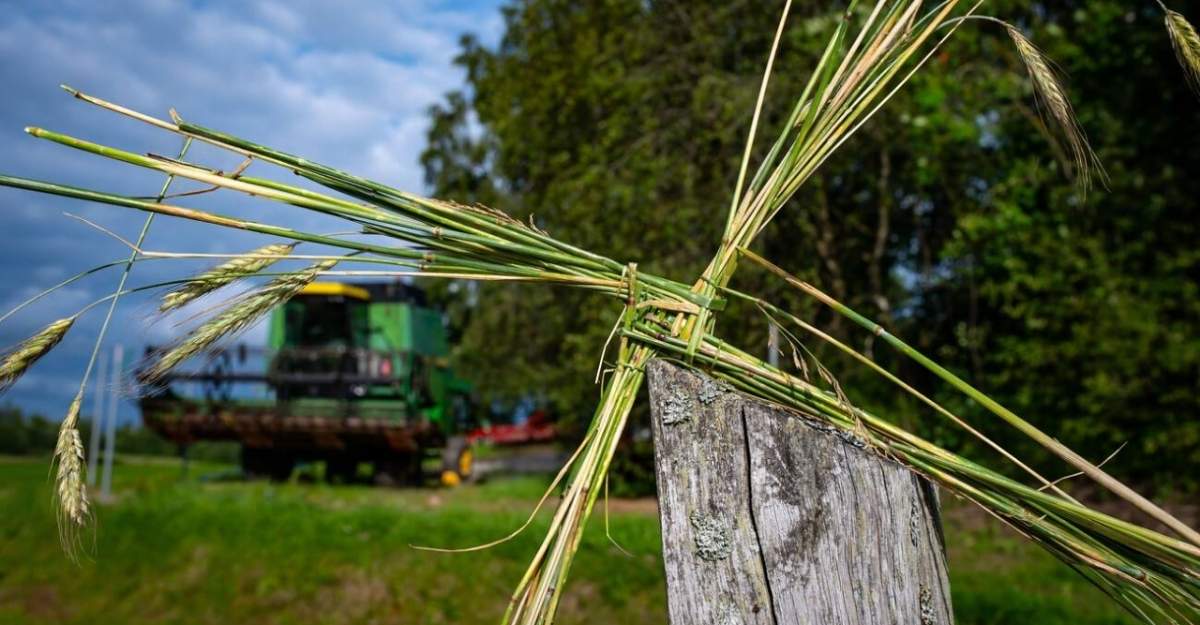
point(867, 59)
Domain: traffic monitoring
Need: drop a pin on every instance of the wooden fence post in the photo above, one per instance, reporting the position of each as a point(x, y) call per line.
point(770, 517)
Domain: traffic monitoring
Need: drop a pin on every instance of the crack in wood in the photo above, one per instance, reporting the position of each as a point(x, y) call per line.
point(753, 520)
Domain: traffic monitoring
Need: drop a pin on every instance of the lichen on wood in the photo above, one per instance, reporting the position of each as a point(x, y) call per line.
point(769, 516)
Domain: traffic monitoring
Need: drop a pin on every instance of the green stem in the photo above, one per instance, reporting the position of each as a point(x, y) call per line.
point(112, 306)
point(898, 382)
point(75, 278)
point(758, 105)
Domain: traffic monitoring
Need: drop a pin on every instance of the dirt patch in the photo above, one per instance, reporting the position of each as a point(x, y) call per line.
point(642, 505)
point(579, 598)
point(42, 602)
point(197, 567)
point(355, 597)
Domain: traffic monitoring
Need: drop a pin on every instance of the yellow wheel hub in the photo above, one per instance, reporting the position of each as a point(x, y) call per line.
point(461, 471)
point(466, 462)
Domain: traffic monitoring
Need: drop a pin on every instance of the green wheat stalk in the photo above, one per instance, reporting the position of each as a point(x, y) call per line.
point(1057, 107)
point(238, 316)
point(68, 453)
point(22, 357)
point(70, 491)
point(224, 274)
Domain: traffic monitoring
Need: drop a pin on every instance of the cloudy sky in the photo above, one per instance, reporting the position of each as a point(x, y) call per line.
point(345, 83)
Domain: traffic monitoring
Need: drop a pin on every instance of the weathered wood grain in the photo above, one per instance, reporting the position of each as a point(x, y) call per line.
point(770, 517)
point(715, 572)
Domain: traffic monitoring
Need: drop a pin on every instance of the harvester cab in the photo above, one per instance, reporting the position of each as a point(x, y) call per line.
point(352, 374)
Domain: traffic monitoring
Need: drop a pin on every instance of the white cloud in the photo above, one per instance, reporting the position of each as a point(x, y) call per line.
point(346, 83)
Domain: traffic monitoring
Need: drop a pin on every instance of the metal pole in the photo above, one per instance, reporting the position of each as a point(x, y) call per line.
point(183, 459)
point(773, 345)
point(110, 430)
point(97, 423)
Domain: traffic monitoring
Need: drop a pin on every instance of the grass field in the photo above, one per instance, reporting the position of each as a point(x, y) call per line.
point(203, 551)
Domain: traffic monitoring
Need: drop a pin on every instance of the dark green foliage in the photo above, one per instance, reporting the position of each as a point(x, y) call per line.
point(952, 216)
point(21, 435)
point(632, 471)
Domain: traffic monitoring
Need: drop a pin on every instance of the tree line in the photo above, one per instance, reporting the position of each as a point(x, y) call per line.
point(33, 434)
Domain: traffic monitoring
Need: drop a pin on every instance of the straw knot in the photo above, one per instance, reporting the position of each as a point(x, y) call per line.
point(631, 283)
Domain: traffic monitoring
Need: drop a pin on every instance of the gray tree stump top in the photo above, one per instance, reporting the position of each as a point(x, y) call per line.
point(771, 517)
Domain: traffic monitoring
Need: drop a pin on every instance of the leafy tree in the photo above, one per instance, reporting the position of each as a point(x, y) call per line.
point(954, 216)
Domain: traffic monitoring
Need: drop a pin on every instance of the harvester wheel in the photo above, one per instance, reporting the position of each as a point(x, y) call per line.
point(458, 462)
point(266, 463)
point(341, 470)
point(400, 470)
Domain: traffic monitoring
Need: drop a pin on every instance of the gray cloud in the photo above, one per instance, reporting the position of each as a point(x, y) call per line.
point(346, 83)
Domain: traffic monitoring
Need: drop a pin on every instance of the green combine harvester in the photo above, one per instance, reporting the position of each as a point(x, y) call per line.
point(353, 374)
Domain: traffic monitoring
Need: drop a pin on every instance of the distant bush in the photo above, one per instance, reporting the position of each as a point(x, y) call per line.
point(21, 435)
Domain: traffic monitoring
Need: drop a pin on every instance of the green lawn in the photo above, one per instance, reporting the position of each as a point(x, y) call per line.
point(203, 551)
